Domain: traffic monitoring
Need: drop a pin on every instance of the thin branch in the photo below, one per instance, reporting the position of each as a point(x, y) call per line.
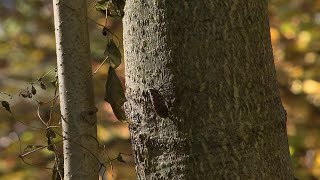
point(39, 116)
point(52, 105)
point(37, 149)
point(42, 103)
point(118, 40)
point(7, 94)
point(45, 74)
point(100, 65)
point(33, 127)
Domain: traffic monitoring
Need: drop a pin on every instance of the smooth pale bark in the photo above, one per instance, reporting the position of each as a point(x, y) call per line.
point(76, 90)
point(214, 59)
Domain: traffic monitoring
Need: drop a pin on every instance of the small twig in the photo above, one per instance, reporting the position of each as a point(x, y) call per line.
point(110, 162)
point(39, 116)
point(42, 103)
point(46, 74)
point(7, 94)
point(22, 159)
point(104, 171)
point(118, 40)
point(63, 119)
point(95, 4)
point(127, 154)
point(33, 127)
point(37, 149)
point(70, 139)
point(30, 152)
point(100, 65)
point(52, 105)
point(19, 141)
point(57, 162)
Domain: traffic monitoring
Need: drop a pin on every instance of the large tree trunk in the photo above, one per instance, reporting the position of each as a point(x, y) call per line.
point(76, 90)
point(214, 59)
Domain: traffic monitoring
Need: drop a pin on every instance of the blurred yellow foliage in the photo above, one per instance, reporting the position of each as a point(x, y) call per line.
point(316, 167)
point(310, 57)
point(103, 134)
point(24, 39)
point(37, 55)
point(311, 87)
point(288, 30)
point(275, 35)
point(303, 41)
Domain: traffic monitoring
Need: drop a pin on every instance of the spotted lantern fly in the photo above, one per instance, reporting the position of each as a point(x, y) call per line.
point(159, 104)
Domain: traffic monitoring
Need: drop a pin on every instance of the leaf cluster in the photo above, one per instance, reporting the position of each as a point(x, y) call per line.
point(114, 94)
point(113, 8)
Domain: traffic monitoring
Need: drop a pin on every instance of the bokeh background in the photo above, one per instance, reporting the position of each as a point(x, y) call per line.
point(27, 51)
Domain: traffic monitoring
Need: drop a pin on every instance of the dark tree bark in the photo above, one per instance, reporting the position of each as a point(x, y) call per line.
point(213, 63)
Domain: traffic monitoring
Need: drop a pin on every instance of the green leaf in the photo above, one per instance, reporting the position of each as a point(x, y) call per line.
point(102, 5)
point(56, 169)
point(114, 53)
point(115, 94)
point(102, 1)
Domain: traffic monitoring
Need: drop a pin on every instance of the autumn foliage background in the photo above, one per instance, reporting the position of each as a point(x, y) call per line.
point(27, 51)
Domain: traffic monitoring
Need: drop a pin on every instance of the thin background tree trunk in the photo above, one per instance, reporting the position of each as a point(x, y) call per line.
point(214, 59)
point(76, 90)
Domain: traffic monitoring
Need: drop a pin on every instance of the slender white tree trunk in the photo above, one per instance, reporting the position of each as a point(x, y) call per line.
point(76, 90)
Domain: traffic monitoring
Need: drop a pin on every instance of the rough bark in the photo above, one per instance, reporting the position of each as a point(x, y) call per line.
point(76, 90)
point(214, 59)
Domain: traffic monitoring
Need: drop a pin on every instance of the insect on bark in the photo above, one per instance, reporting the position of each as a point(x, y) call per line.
point(159, 104)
